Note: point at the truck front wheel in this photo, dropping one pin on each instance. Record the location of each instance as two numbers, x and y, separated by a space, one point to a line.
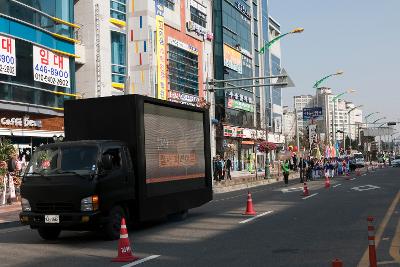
113 225
49 233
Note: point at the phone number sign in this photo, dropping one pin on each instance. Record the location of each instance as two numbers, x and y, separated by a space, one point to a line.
8 61
50 68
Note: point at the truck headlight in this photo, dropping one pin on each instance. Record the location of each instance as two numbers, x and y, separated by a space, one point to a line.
90 203
25 205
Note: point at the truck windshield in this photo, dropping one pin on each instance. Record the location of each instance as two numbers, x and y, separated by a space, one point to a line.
63 160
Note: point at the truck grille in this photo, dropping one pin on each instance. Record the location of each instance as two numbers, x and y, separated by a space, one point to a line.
54 207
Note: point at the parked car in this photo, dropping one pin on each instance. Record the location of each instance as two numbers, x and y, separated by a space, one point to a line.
358 160
396 161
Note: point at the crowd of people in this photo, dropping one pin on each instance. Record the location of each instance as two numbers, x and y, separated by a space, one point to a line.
222 168
312 168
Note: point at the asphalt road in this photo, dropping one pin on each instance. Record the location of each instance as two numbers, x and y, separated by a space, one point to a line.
290 231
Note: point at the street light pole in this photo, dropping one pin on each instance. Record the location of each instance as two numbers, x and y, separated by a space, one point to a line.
348 125
317 83
334 113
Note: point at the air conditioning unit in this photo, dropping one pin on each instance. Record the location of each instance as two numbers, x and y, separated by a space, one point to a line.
190 26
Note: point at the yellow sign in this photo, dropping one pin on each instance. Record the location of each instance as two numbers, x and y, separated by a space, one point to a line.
161 68
232 59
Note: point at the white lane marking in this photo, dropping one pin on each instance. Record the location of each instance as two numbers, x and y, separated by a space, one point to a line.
336 185
352 179
311 195
365 187
257 216
141 261
364 174
13 229
292 189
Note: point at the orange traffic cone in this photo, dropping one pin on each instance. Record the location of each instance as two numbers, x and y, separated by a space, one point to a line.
124 246
249 209
327 182
305 190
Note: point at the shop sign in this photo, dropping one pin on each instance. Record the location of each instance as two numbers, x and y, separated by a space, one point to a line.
239 97
232 131
160 39
182 45
261 135
276 138
178 97
235 104
247 142
278 125
198 6
242 9
50 68
21 122
232 59
8 61
249 133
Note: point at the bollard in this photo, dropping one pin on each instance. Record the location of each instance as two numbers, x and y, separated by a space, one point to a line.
337 263
371 242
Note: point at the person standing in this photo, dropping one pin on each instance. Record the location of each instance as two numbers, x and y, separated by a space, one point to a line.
295 162
228 166
215 169
285 171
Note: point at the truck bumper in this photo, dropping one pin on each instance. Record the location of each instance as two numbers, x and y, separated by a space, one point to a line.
67 221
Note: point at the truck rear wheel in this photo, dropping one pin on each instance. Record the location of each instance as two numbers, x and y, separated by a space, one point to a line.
113 226
49 233
179 216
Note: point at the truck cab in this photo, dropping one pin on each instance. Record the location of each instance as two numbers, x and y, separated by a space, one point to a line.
78 185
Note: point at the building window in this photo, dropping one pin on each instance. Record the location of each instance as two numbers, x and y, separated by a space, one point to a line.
118 52
170 4
118 9
183 70
198 17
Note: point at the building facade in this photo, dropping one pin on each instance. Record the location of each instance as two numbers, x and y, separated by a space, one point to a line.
335 114
289 124
161 48
240 28
37 68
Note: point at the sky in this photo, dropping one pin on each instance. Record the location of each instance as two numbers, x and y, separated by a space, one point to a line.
360 37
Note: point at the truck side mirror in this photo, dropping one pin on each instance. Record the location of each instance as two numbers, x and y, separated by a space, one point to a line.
106 162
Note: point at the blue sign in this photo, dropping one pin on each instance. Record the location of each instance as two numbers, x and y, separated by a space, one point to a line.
312 113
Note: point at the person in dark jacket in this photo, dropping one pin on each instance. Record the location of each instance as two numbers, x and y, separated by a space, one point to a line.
228 166
302 169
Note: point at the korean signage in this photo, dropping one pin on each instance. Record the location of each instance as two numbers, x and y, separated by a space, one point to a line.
278 124
183 46
50 68
8 61
238 132
178 97
239 101
312 133
21 122
312 113
235 104
232 59
160 39
242 9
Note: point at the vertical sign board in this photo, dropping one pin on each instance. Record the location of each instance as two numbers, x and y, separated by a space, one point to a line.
312 133
233 59
50 68
8 61
160 39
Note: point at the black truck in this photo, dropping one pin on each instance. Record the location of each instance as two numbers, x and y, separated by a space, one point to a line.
126 156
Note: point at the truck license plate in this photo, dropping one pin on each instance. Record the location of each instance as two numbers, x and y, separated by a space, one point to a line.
52 218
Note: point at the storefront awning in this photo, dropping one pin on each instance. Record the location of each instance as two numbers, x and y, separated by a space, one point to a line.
29 133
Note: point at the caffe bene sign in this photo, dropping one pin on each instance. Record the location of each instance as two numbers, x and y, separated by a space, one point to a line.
21 122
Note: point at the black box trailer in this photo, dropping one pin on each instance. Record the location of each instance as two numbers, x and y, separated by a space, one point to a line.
131 156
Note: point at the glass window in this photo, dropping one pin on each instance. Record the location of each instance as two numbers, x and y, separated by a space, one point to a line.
116 158
118 9
198 17
170 4
118 53
183 70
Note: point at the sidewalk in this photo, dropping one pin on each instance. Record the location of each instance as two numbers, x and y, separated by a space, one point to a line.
244 179
10 213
